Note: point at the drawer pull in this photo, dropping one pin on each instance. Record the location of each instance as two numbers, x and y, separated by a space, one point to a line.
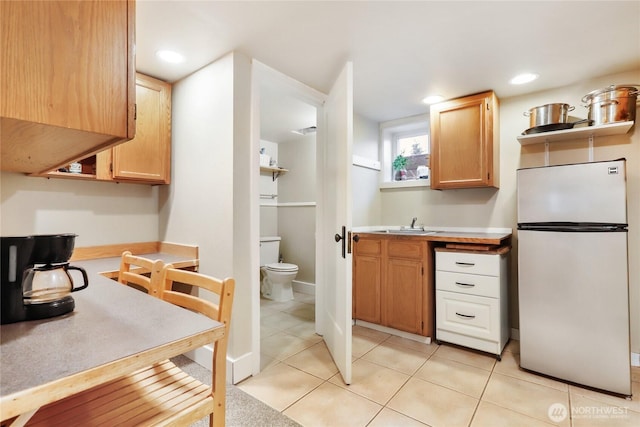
467 285
465 264
466 316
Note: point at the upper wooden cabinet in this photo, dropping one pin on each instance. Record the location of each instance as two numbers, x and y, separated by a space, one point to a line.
147 157
67 81
465 144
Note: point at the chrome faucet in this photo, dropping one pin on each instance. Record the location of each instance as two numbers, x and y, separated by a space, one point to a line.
413 222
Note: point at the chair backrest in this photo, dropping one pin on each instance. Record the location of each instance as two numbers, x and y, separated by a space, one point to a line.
137 276
220 311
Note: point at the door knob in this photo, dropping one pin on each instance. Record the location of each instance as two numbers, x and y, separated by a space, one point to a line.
337 237
356 238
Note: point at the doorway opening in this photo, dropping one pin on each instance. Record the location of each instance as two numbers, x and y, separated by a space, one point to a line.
287 187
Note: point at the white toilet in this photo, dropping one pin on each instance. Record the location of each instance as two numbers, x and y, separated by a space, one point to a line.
276 276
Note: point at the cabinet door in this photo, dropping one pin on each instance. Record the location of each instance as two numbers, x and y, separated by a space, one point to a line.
403 295
366 291
367 280
147 157
67 80
463 143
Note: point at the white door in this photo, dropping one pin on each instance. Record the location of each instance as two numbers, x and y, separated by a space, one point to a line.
333 265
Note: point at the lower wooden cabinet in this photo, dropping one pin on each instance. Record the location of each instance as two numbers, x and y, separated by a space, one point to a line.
392 283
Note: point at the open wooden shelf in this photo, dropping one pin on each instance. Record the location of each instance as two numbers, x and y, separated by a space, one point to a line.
619 128
275 172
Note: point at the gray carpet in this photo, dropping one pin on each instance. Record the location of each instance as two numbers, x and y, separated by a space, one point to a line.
242 409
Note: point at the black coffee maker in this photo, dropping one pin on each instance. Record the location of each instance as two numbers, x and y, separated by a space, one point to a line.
36 283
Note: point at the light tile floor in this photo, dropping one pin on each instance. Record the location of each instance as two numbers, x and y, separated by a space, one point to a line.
399 382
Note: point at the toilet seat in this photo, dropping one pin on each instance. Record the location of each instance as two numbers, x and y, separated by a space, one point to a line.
282 266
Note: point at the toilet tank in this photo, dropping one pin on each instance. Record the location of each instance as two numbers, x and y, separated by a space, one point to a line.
269 250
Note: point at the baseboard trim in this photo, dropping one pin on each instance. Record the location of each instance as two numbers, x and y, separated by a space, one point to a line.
304 287
237 369
402 334
635 357
241 367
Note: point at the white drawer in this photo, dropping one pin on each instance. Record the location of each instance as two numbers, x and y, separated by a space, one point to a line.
472 284
464 262
469 315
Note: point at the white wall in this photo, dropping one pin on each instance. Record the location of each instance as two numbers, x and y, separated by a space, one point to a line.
296 200
100 213
208 202
497 207
366 206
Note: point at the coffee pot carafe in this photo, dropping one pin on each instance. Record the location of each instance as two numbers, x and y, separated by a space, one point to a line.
49 283
46 290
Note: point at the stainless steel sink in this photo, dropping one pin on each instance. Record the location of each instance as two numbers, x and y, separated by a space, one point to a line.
412 232
407 231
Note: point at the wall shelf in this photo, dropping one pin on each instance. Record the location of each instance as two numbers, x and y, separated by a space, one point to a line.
586 132
275 172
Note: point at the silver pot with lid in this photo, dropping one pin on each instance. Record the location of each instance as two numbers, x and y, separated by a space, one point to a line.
548 114
615 103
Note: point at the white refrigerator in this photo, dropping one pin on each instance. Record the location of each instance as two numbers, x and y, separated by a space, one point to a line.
573 279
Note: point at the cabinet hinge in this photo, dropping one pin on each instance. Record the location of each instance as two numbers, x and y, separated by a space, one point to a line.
422 270
422 326
135 111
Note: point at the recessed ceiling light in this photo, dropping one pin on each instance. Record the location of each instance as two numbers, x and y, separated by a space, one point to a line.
523 78
432 99
170 56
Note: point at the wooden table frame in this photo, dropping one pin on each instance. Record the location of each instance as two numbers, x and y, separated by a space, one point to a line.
17 338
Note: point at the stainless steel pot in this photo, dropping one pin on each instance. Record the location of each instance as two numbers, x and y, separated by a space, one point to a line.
548 114
612 104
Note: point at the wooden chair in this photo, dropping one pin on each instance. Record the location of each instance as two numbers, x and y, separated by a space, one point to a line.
162 394
137 277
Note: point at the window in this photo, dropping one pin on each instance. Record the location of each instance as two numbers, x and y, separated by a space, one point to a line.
415 148
409 137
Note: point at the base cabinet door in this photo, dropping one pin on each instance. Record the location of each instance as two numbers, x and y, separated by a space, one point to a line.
403 296
367 289
367 280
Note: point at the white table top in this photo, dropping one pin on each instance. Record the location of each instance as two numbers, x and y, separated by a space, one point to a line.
114 330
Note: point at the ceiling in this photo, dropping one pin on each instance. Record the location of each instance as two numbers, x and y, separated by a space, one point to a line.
401 51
